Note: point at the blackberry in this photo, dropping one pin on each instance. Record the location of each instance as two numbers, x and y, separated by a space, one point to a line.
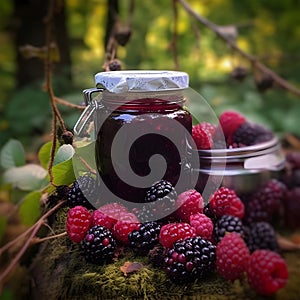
157 255
209 213
265 202
160 190
82 192
160 201
261 235
225 224
145 238
249 134
190 259
98 245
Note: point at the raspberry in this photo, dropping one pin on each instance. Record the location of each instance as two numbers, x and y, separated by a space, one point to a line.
99 218
225 201
230 121
189 203
203 225
127 223
266 272
251 134
265 202
190 259
227 224
261 235
78 223
98 245
107 215
145 238
160 199
173 232
232 256
82 192
203 135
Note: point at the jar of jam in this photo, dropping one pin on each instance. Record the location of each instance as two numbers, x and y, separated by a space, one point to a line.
142 130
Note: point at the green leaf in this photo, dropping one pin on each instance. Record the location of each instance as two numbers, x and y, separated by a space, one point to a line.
87 153
63 173
64 153
45 153
29 177
30 208
12 154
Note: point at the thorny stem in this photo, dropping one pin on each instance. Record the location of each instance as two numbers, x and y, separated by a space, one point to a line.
47 238
49 88
256 64
33 229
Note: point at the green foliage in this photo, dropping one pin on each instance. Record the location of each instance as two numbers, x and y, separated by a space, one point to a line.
27 178
29 210
12 154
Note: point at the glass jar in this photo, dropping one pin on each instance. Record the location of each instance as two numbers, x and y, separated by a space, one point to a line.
244 169
142 130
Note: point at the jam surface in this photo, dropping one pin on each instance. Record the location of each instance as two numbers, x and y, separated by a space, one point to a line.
154 133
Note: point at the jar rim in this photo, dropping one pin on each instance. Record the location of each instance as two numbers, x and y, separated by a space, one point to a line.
141 81
240 152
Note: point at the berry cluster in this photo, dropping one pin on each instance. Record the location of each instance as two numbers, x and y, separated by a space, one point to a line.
193 240
233 131
291 201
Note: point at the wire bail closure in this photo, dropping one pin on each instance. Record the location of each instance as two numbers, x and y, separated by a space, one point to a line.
91 105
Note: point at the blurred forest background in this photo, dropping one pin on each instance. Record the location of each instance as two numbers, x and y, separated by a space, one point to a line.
269 30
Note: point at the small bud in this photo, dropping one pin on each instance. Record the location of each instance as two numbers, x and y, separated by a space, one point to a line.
67 137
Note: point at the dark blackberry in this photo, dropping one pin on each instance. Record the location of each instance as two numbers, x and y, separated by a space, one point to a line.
145 238
157 255
249 134
291 212
160 202
266 202
59 194
261 235
82 192
209 213
160 190
190 259
225 224
98 246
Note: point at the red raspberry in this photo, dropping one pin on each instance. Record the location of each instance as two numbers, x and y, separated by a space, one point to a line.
78 222
232 256
203 225
99 218
125 225
113 210
225 201
266 272
230 121
203 135
173 232
189 202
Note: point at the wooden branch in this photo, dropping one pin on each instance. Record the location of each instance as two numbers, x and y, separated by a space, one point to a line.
256 64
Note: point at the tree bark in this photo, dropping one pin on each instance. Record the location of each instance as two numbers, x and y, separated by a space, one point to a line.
29 18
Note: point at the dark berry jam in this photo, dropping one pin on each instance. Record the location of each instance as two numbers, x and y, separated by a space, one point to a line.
153 123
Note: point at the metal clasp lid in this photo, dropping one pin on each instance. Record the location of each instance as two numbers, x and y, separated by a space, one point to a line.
87 114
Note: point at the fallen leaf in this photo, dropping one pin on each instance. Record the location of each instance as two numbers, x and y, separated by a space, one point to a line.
130 267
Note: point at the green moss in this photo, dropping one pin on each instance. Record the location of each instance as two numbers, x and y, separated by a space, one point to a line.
60 272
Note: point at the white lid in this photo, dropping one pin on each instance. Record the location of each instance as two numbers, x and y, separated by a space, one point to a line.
138 81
